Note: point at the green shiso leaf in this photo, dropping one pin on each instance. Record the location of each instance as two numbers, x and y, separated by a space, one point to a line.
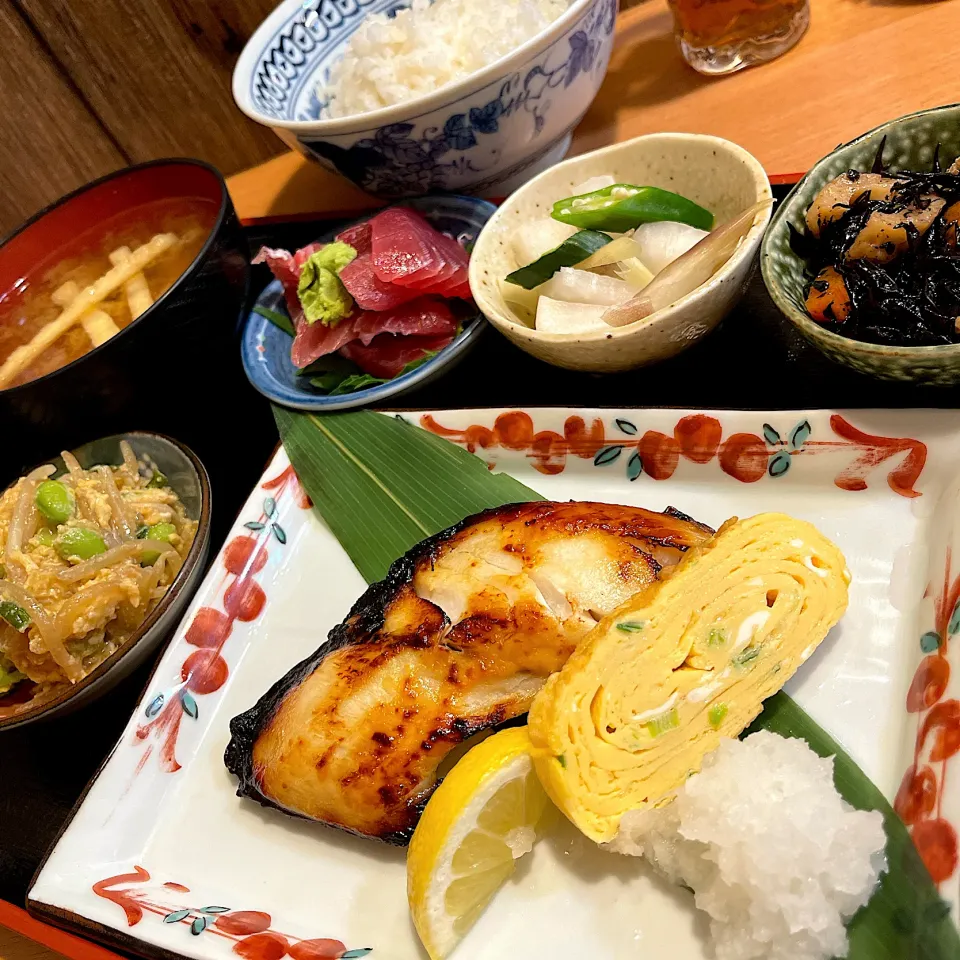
382 485
906 919
335 375
279 320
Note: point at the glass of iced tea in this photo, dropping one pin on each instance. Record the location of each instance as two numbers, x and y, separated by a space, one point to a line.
721 36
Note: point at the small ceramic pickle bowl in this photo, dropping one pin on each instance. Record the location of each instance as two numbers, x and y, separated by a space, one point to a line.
713 172
910 144
188 478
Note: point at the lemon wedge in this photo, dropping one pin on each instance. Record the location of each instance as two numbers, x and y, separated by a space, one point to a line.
488 812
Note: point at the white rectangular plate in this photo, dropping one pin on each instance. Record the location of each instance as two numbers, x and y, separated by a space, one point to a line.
161 858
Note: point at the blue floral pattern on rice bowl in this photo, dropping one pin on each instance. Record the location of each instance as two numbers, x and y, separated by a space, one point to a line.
473 141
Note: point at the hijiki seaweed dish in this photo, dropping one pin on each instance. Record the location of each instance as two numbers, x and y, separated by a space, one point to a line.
881 251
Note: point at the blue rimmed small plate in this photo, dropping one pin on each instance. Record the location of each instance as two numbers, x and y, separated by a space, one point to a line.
265 348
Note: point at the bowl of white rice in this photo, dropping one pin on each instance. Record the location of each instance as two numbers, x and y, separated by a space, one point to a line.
409 97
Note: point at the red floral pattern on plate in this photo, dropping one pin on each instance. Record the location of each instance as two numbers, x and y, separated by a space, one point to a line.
919 800
204 670
696 437
250 930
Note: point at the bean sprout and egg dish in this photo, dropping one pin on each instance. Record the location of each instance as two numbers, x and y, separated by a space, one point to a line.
84 559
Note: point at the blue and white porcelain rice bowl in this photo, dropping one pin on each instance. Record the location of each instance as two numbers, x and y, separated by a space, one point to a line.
483 134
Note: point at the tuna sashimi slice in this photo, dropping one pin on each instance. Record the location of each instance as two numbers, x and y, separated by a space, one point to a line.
315 340
388 354
286 267
423 317
408 251
455 260
370 292
358 236
402 244
438 282
463 292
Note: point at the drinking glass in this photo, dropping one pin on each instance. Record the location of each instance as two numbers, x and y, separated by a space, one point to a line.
721 36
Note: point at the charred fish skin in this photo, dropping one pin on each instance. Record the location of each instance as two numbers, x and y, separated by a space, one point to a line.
366 616
354 734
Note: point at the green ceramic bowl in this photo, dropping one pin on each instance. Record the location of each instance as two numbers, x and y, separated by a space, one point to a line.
911 141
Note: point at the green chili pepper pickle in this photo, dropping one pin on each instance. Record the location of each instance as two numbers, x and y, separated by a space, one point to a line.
624 207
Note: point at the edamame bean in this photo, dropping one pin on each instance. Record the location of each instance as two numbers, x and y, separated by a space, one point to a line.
44 537
157 480
159 531
55 501
79 543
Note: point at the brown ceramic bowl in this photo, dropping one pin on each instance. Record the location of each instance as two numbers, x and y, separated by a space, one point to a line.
189 480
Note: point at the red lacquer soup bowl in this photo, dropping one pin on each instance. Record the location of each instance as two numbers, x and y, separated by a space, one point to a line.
167 363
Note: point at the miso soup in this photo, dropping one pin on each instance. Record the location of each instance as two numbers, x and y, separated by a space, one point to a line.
91 289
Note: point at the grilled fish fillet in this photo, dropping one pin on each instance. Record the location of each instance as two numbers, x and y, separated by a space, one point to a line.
458 638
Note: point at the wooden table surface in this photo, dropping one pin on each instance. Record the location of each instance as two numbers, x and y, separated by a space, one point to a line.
23 938
13 946
862 62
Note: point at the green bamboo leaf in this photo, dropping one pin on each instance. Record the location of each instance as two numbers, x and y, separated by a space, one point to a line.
906 919
383 485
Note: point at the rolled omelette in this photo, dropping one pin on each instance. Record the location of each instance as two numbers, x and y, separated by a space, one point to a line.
690 659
